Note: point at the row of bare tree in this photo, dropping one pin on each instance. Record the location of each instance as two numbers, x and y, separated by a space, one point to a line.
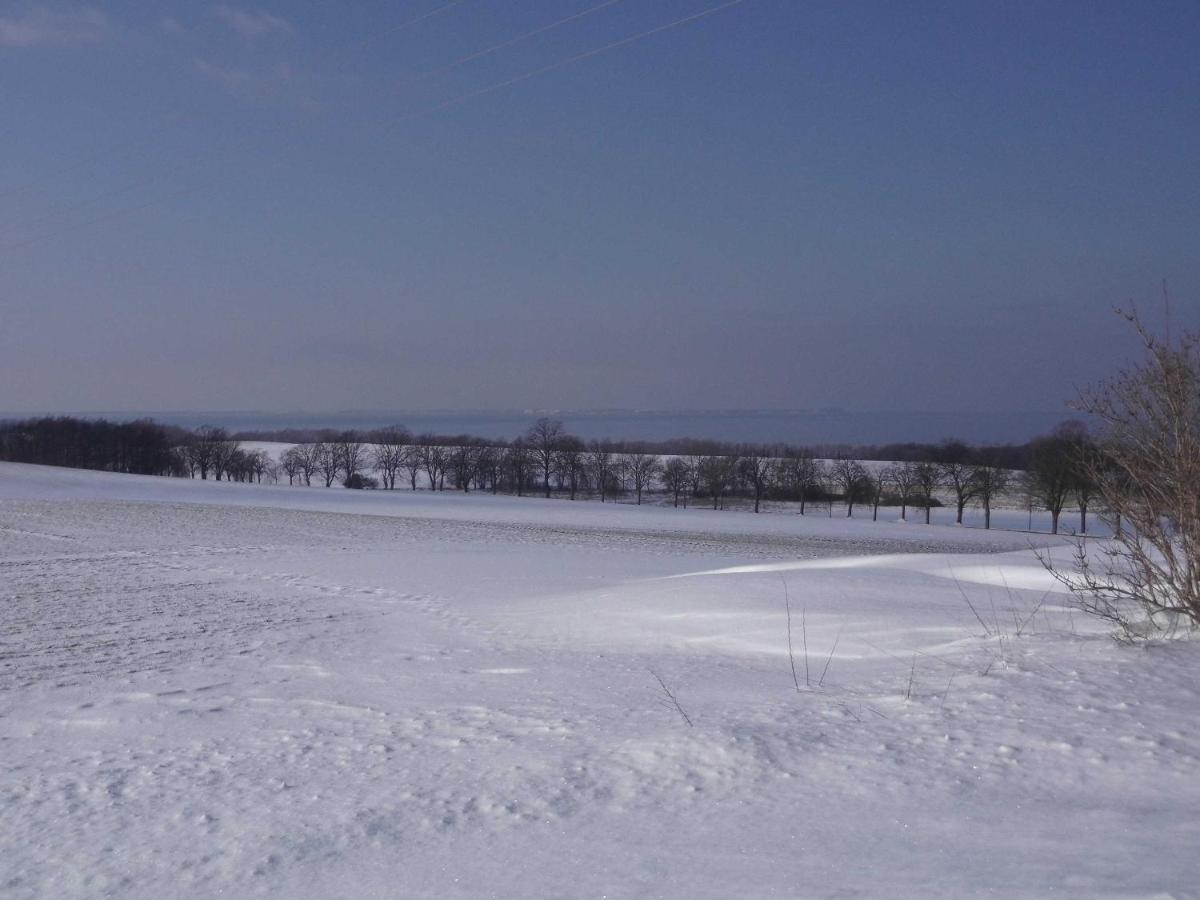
550 461
210 450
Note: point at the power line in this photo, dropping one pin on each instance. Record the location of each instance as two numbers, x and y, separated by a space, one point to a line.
454 101
503 45
579 57
388 32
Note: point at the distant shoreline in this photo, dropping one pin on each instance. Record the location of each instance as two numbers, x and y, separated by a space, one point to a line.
748 426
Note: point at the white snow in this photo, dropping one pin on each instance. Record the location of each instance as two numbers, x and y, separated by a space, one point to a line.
265 691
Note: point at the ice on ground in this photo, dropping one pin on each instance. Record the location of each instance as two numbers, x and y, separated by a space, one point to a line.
254 691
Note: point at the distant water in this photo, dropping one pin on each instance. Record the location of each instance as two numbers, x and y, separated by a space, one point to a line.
751 426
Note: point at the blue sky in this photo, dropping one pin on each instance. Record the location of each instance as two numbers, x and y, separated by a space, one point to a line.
781 204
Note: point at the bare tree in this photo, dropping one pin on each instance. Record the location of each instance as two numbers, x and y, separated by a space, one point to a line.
878 481
351 454
961 478
958 474
1147 578
516 466
718 474
229 463
825 487
1090 465
991 480
193 456
412 462
1111 480
677 477
260 463
799 476
927 478
434 460
327 461
463 463
543 440
851 478
491 464
290 463
642 469
225 457
569 461
788 473
758 471
1053 469
187 465
208 448
904 477
600 464
695 463
387 453
203 449
308 456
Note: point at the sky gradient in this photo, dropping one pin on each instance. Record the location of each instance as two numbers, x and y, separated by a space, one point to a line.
779 205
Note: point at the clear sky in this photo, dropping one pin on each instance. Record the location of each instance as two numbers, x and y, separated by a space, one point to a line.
783 204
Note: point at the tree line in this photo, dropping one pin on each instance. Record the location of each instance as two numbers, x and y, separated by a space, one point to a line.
1059 470
141 447
1056 470
1010 456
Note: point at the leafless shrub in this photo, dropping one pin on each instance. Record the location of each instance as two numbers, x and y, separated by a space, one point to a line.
987 629
669 698
787 606
946 693
912 672
837 639
1146 579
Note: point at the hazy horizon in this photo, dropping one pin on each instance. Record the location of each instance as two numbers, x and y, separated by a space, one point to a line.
828 426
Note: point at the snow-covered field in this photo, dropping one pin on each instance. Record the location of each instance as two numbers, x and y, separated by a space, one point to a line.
230 689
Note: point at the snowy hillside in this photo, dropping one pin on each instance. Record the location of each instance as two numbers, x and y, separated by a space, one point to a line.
266 691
